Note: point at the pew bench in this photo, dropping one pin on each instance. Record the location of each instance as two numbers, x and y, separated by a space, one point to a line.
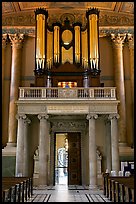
119 189
16 189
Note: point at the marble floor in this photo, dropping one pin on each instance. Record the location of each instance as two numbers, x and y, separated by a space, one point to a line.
65 193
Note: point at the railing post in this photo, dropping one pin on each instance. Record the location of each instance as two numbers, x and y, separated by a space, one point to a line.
91 93
21 92
44 93
113 93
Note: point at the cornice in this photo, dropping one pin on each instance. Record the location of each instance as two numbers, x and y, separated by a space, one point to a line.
105 19
103 30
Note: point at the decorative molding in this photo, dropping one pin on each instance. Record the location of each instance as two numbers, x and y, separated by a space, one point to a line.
103 31
105 19
68 125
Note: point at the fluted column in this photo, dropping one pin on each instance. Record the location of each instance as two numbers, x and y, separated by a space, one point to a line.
92 151
108 145
27 121
130 39
16 41
43 149
20 145
119 83
4 44
114 142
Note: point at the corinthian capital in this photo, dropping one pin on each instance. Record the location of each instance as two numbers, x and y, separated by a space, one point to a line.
130 38
16 40
118 39
4 40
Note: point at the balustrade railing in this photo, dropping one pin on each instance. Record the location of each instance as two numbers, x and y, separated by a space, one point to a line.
100 93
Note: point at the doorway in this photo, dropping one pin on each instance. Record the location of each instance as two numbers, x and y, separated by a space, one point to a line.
68 158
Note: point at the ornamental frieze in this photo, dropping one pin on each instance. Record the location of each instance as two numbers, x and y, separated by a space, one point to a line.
103 31
68 125
105 19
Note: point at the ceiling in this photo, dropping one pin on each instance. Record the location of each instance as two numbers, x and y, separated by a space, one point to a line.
20 7
111 13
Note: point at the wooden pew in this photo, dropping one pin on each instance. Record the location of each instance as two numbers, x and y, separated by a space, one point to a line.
16 189
119 189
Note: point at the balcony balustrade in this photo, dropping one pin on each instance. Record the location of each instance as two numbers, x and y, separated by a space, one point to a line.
91 93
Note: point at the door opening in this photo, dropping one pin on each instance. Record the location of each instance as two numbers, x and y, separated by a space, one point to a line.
61 159
68 158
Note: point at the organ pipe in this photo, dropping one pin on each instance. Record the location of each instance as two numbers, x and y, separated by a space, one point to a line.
93 38
41 34
77 43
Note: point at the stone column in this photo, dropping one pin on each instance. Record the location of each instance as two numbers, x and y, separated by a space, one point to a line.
20 145
52 159
108 145
119 83
16 40
114 142
4 44
26 148
92 152
130 39
43 149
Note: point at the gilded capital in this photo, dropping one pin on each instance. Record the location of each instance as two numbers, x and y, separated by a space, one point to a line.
43 116
4 40
113 116
130 38
92 116
118 39
16 40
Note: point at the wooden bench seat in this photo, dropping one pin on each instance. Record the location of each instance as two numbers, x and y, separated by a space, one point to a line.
119 189
16 189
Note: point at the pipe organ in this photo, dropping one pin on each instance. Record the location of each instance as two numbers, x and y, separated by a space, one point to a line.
67 45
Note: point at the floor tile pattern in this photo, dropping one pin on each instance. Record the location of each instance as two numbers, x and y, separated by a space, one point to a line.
64 193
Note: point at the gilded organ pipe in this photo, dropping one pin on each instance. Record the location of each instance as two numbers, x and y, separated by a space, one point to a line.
93 38
56 44
41 32
77 44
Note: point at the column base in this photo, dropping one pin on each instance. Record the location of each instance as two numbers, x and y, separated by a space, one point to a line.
122 144
93 187
11 144
9 151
